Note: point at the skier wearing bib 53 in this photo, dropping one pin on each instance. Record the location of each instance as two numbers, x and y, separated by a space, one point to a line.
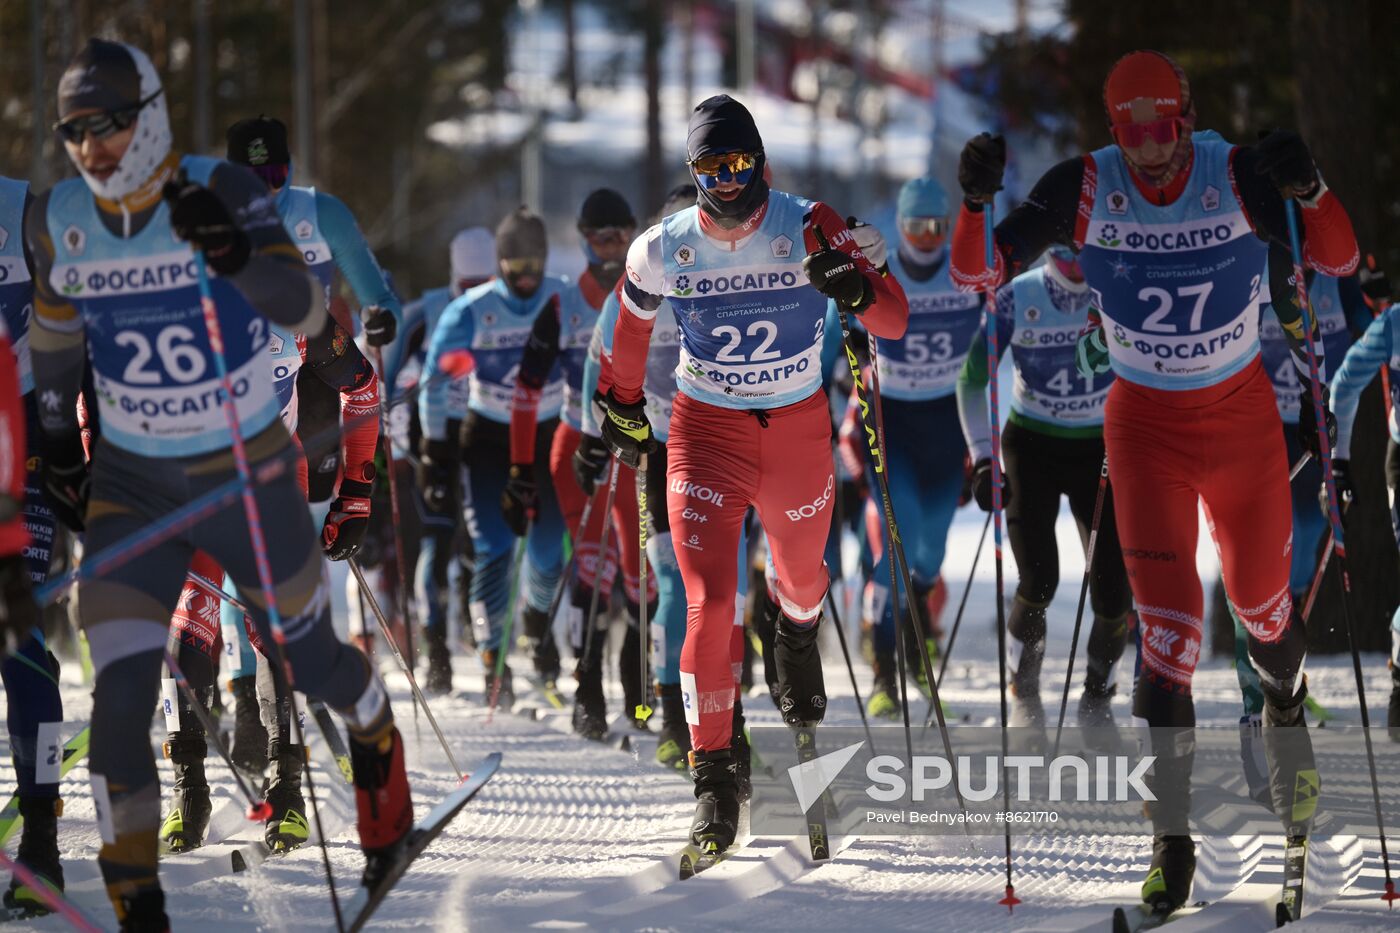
750 423
1172 235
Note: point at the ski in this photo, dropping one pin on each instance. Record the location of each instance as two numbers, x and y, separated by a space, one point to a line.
1295 863
1142 917
334 740
74 751
816 814
694 860
365 902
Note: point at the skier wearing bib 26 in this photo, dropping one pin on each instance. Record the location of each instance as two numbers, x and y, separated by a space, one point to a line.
115 279
750 424
1054 447
558 344
483 333
1171 234
918 377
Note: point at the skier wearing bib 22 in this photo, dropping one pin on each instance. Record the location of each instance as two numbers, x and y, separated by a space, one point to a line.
1171 235
750 424
115 278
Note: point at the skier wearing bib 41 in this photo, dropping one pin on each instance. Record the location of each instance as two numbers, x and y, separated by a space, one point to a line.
1172 236
115 280
750 423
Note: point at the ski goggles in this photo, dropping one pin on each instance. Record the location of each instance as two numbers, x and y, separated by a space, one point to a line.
532 265
602 236
710 169
1132 135
925 226
101 124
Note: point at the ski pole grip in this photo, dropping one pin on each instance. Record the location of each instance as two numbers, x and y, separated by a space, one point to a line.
821 237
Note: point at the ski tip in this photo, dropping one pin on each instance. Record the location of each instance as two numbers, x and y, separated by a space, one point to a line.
1120 921
238 863
1281 915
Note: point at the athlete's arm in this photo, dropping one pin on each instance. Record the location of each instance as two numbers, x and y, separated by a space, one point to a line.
887 314
452 336
1283 293
1358 368
410 337
335 359
536 360
1049 215
641 297
276 281
1354 308
973 410
57 337
353 257
1328 241
599 358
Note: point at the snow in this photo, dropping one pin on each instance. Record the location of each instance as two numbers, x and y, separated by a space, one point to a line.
572 835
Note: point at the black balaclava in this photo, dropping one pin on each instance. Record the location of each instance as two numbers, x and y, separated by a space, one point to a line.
722 124
261 144
604 208
521 236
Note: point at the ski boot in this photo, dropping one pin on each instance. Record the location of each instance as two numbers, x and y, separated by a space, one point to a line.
1106 641
143 912
38 851
671 751
765 621
717 801
1168 883
439 679
590 709
383 804
188 819
249 746
1095 716
629 671
1392 717
544 652
286 829
884 697
504 696
742 754
801 687
1025 649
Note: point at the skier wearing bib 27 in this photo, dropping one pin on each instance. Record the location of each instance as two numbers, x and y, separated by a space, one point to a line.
1054 448
918 377
750 424
1171 234
559 344
27 526
483 333
108 249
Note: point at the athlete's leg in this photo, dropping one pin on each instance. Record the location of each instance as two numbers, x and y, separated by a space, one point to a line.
486 455
1109 595
1309 523
1031 510
545 555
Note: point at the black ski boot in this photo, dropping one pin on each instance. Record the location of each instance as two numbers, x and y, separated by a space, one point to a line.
544 651
629 671
674 746
439 679
249 747
1168 883
801 687
38 851
143 912
287 828
188 819
505 698
590 708
717 801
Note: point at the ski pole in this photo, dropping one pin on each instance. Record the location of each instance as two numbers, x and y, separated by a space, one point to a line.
567 576
394 647
891 525
993 359
962 605
603 541
1297 468
400 557
1334 516
1317 576
850 668
1083 594
255 533
52 899
643 710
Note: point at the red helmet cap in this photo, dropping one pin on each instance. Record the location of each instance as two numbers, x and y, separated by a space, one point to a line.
1144 86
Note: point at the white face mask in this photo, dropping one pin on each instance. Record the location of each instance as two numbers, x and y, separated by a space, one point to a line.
150 141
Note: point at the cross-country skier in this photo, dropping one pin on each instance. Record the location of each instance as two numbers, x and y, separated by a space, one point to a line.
1171 234
483 332
918 377
115 282
559 343
1377 349
472 259
749 425
27 527
1053 446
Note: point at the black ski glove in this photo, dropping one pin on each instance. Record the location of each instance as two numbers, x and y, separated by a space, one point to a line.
18 611
199 217
437 467
67 480
589 462
1284 157
1307 422
380 325
1341 475
627 430
343 531
982 485
980 168
520 499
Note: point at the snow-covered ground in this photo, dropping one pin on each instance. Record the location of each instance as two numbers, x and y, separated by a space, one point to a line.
573 835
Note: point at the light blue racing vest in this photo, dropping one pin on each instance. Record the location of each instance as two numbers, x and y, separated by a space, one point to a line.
501 327
1045 331
1326 302
925 362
